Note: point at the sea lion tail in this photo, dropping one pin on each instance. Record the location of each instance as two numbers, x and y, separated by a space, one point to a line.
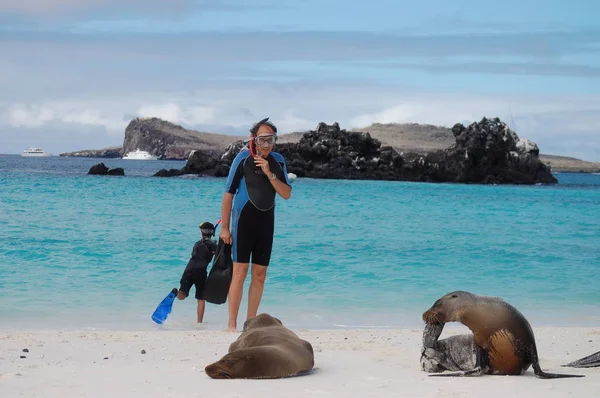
539 373
591 361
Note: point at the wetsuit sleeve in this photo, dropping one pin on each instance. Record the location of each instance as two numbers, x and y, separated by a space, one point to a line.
282 172
235 173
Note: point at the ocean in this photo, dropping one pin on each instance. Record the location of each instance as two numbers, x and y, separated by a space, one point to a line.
100 252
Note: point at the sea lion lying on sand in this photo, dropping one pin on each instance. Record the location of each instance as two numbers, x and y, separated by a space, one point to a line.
591 361
452 353
504 340
265 350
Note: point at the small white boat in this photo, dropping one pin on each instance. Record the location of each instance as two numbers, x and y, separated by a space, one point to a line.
35 153
292 177
139 155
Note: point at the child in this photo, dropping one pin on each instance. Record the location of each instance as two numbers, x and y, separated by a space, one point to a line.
195 271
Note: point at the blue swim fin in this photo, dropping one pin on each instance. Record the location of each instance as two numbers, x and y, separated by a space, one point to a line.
164 308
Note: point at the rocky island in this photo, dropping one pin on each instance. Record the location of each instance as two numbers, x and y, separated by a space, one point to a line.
487 152
169 141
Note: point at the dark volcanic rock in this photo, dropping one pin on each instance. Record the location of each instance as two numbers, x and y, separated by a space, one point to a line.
200 161
116 172
489 152
98 169
101 169
485 152
168 173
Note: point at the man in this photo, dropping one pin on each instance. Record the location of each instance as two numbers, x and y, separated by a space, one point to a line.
255 178
195 272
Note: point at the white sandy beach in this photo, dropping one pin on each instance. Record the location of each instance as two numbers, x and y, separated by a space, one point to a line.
353 363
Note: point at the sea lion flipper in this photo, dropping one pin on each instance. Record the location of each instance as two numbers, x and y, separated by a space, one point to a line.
539 373
463 373
591 361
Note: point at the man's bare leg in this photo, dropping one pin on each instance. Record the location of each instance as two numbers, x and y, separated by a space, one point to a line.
257 285
201 306
234 297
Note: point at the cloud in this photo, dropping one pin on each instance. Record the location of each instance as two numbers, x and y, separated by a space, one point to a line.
51 65
559 125
192 116
37 115
46 8
504 68
315 45
79 90
117 9
39 6
448 109
566 125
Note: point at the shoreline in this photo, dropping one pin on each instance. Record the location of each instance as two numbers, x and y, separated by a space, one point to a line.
348 363
183 319
558 163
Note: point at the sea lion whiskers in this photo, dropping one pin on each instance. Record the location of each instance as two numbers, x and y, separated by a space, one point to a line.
224 374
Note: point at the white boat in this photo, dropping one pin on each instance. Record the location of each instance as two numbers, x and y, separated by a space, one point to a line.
139 155
292 177
35 152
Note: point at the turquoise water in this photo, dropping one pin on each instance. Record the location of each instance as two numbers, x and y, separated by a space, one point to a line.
79 251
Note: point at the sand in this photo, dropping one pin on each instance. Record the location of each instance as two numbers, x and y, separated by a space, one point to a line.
349 363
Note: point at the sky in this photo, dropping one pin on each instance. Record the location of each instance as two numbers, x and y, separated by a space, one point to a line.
73 73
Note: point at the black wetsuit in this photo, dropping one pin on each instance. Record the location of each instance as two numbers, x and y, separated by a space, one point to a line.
195 271
253 208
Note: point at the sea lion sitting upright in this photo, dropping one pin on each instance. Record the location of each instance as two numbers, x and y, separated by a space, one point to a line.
265 350
504 340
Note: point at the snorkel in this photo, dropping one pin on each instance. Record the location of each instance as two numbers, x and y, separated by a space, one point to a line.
251 145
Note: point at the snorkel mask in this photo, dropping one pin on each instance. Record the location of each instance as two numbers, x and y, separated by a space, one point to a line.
254 139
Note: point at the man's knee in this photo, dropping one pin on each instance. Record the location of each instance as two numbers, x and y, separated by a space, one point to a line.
240 270
259 273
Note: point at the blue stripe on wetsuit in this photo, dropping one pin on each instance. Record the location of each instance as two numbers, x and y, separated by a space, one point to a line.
237 184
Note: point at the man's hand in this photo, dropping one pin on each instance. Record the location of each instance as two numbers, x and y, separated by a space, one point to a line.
263 164
226 236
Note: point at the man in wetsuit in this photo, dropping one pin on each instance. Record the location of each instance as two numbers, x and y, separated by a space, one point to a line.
249 204
195 271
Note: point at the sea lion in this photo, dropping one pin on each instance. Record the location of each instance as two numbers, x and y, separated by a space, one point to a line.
264 350
504 340
591 361
452 353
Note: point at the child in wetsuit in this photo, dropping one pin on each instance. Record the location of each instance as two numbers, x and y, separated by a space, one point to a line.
195 272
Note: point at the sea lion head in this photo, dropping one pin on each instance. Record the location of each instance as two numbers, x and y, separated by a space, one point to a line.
237 364
449 308
261 320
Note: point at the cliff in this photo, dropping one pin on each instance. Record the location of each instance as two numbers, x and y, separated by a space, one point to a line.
169 141
164 139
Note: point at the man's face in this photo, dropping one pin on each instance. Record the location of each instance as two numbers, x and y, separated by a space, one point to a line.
265 139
